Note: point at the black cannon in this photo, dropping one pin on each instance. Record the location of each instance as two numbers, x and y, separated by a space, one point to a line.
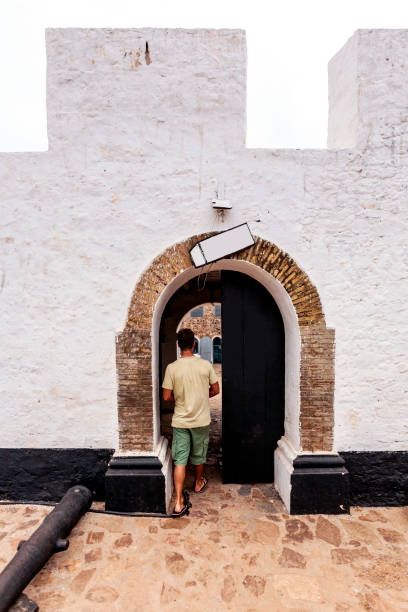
48 539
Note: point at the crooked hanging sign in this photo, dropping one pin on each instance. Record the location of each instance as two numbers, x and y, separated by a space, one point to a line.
221 245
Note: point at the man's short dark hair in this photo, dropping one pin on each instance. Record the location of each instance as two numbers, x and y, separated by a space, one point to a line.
185 339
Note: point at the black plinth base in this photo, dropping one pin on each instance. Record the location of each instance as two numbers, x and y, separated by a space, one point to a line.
320 485
135 484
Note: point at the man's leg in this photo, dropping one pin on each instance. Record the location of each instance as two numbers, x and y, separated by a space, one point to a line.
179 477
198 456
180 450
199 480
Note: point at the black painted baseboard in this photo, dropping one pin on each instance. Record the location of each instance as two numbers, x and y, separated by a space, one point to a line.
45 474
377 478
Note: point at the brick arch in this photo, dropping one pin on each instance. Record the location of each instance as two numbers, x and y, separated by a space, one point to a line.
134 345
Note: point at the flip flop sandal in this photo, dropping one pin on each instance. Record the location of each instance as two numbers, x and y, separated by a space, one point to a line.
204 485
183 511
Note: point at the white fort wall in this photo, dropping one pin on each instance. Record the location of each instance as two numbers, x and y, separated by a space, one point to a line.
138 145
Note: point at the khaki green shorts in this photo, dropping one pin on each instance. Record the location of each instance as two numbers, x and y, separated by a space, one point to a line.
190 445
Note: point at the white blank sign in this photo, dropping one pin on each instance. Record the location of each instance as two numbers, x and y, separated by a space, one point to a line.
222 244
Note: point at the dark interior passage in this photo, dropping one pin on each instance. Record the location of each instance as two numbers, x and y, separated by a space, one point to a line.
191 294
205 298
248 415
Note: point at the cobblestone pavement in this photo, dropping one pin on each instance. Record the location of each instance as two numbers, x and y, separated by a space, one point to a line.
238 550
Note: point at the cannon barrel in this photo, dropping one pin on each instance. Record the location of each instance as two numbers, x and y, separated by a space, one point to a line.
49 538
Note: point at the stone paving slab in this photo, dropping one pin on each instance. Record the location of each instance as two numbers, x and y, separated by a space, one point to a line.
238 550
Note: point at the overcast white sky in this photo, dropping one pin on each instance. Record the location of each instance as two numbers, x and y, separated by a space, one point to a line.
289 45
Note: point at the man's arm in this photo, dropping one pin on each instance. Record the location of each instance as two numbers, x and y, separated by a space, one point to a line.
167 386
168 399
168 395
214 385
214 389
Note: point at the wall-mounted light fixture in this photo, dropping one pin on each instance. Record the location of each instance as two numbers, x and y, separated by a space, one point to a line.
221 204
222 244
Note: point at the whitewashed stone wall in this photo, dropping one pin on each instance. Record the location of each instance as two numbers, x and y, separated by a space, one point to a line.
138 143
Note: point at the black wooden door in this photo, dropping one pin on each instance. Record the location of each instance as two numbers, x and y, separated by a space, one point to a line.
253 373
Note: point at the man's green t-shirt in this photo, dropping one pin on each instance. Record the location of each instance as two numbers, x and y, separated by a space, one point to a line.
189 378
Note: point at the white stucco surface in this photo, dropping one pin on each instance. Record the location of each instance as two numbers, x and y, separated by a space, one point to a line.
138 147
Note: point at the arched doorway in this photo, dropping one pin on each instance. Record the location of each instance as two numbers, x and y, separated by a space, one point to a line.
196 346
309 377
206 348
253 372
217 349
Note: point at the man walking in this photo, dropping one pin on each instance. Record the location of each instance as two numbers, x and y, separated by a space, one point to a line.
190 381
